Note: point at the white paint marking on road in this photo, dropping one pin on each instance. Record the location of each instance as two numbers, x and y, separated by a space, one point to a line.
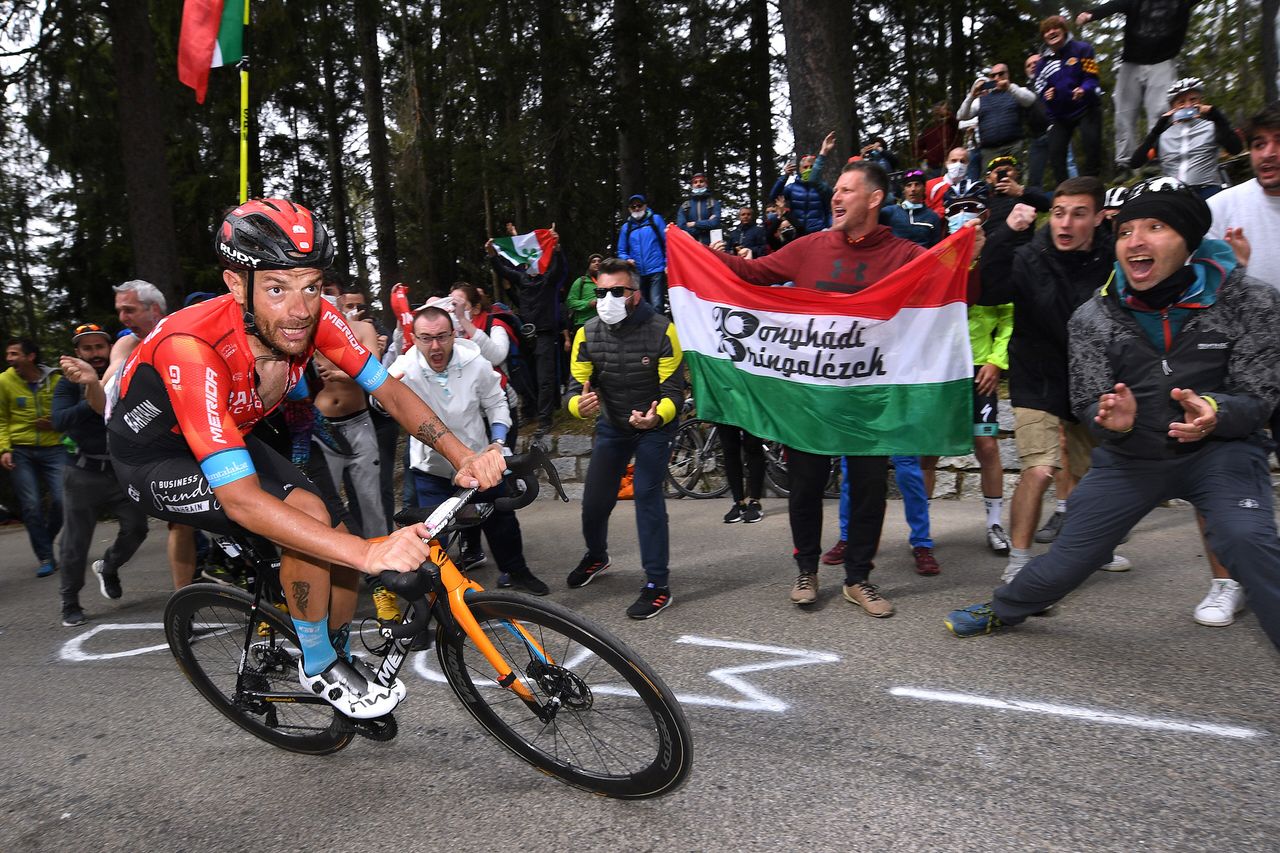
72 650
757 699
1090 714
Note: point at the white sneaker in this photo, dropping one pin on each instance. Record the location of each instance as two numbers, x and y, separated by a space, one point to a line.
1117 564
347 687
998 540
1220 606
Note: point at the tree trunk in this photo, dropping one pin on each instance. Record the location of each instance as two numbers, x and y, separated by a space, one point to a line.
958 72
554 117
333 148
139 101
1270 61
819 56
626 57
384 219
760 110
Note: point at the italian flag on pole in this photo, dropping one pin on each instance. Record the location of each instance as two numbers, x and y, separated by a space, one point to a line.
212 36
534 248
882 372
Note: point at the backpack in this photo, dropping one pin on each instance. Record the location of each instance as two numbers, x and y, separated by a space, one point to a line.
519 374
632 226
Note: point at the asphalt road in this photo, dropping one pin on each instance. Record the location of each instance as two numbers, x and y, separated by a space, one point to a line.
1116 724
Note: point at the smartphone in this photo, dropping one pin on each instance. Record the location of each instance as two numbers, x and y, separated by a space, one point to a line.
717 235
1186 113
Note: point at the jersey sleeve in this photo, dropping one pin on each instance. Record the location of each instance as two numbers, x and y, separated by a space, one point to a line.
336 342
198 383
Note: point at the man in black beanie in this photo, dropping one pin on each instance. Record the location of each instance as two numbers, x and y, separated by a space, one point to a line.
1175 367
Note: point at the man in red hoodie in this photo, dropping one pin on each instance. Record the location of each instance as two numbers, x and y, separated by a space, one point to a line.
855 253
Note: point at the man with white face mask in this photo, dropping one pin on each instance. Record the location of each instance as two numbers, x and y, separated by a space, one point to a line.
626 374
935 192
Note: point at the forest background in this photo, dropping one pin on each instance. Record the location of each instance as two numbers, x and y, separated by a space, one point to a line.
415 129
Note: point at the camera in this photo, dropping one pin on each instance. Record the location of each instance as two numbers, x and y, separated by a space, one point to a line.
1186 113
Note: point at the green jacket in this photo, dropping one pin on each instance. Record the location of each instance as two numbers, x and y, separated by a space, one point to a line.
20 407
990 327
579 301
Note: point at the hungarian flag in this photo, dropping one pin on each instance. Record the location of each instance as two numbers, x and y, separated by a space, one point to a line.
212 36
534 248
885 371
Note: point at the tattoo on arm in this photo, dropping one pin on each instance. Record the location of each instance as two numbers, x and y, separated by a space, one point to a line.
301 594
429 432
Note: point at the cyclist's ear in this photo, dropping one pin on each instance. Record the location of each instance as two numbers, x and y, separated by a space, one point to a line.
235 283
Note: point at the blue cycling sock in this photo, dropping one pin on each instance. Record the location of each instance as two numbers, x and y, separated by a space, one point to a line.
340 638
317 651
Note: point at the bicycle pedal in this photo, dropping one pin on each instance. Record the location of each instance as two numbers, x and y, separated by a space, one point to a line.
380 729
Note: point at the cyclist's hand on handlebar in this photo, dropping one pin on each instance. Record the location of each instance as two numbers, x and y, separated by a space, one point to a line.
482 470
402 551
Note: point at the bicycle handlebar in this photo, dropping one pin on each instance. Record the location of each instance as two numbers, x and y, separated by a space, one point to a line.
522 489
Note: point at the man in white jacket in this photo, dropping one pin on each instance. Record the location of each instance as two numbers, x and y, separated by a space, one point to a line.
461 386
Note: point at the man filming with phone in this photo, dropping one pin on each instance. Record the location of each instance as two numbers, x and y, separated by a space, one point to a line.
997 102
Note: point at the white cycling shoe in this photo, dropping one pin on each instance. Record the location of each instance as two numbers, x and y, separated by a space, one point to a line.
351 688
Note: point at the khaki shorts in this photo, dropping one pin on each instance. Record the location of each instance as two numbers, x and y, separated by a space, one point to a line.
1036 435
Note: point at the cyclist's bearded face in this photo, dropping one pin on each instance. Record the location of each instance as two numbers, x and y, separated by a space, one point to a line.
286 306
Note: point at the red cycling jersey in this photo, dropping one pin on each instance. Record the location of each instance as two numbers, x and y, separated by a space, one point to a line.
192 384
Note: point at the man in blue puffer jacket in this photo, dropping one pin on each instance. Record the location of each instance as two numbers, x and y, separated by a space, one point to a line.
808 198
643 241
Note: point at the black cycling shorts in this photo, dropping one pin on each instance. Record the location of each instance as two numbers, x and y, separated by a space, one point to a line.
986 413
173 488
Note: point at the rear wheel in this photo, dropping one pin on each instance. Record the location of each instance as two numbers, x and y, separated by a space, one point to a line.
612 726
775 471
696 468
206 627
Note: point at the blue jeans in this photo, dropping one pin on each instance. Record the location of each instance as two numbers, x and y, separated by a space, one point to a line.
30 466
915 503
654 288
612 450
501 528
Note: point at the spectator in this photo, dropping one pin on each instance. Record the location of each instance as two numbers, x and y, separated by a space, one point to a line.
957 167
1046 279
910 219
538 296
997 102
1037 122
30 448
626 374
1067 82
1003 174
461 386
808 198
1187 138
877 151
1195 436
741 446
938 139
89 484
699 214
643 241
1154 31
747 235
854 254
581 301
778 227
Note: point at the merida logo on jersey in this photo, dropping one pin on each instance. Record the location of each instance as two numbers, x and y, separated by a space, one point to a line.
211 407
338 323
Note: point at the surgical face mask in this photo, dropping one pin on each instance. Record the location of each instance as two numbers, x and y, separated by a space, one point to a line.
699 190
912 205
612 309
637 214
955 171
956 221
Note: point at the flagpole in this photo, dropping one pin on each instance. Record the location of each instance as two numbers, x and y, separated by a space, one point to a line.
244 114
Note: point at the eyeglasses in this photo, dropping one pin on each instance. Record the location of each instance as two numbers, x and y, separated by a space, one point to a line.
433 339
619 291
88 327
638 206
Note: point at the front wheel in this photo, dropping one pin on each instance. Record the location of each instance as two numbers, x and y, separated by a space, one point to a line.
696 467
611 726
236 656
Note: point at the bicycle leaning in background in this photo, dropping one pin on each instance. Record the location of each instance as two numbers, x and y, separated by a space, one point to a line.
556 689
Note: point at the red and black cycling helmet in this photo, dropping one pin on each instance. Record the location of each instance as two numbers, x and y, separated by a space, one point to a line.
272 234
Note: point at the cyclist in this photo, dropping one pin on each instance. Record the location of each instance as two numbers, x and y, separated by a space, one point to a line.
190 393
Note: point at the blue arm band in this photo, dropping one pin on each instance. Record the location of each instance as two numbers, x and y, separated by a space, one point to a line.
498 431
372 375
227 466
